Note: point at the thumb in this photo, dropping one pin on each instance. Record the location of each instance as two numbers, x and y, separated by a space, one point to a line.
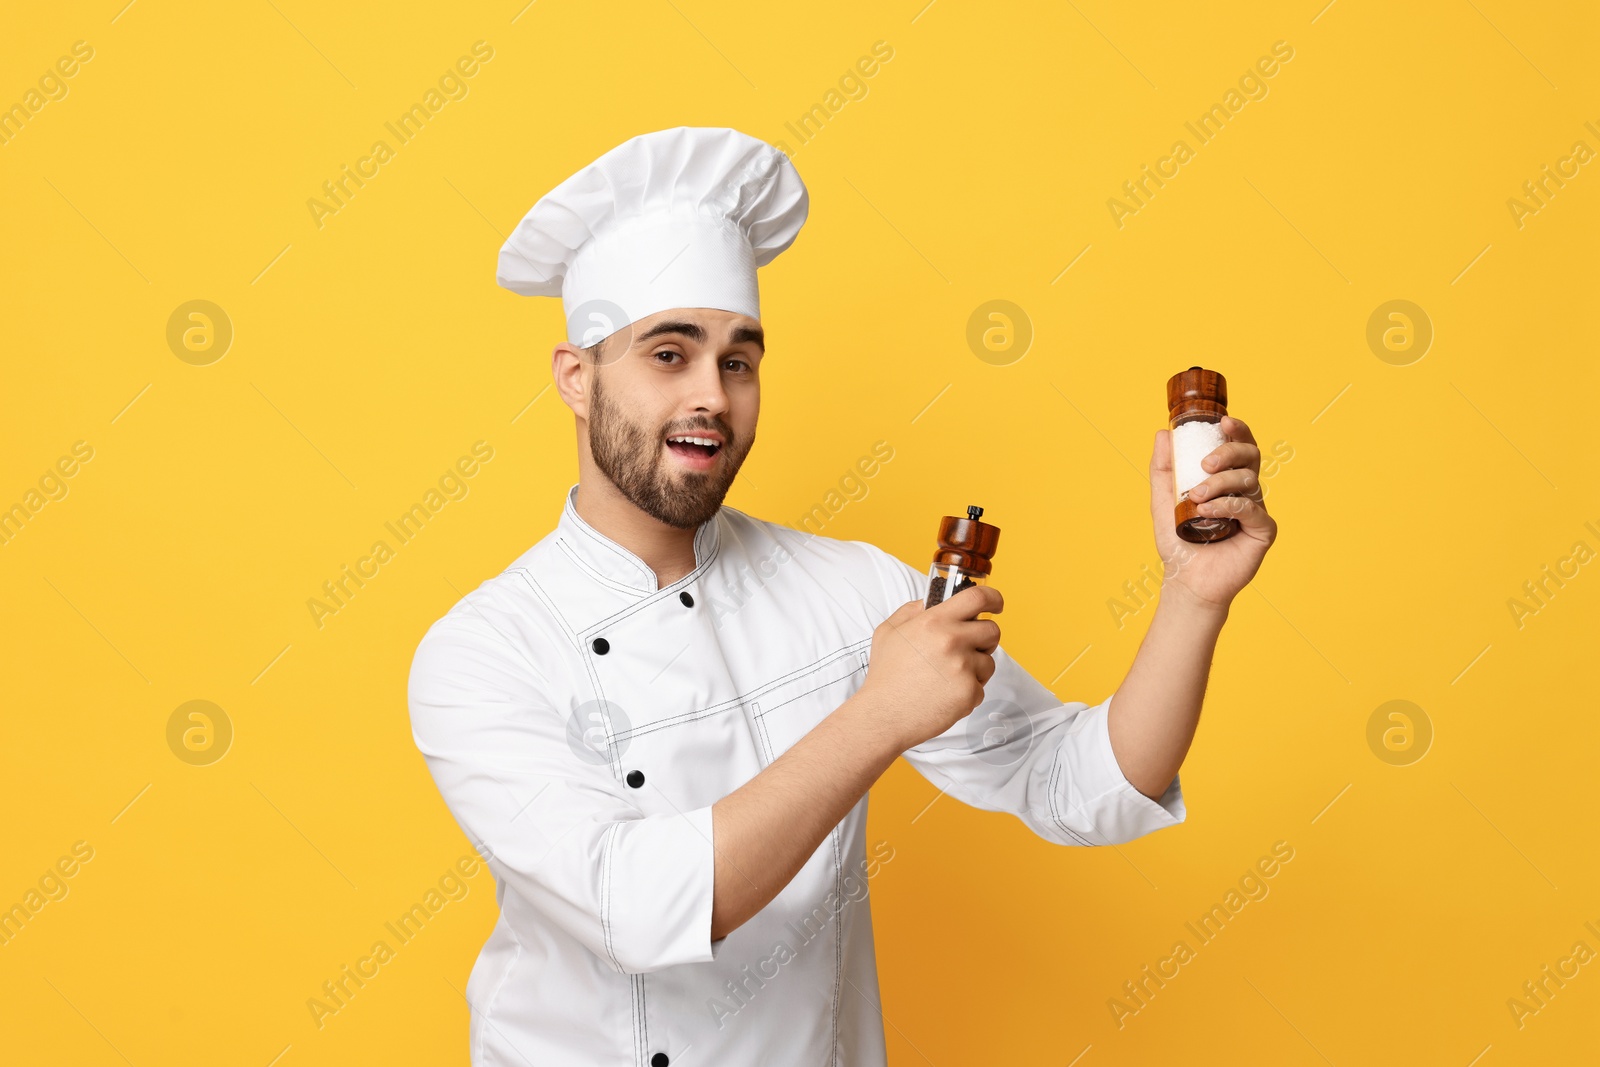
907 610
902 614
1163 497
1161 472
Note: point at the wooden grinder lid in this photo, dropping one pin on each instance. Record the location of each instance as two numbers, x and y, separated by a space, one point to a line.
967 543
1197 389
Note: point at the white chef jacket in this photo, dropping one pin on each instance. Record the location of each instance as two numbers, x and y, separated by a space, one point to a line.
580 723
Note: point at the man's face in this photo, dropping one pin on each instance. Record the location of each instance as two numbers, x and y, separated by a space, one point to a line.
687 371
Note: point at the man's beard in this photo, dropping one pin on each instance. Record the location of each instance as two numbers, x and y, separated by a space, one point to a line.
635 460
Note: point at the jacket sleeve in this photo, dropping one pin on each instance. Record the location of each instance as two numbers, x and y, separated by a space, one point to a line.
547 810
1025 752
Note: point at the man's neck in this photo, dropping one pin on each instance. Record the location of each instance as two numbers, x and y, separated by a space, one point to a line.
666 550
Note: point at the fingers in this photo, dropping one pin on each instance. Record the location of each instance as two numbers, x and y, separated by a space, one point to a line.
1243 482
1252 514
973 600
982 634
1236 430
1232 454
1236 451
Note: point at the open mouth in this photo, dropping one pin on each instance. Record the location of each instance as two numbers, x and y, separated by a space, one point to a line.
695 450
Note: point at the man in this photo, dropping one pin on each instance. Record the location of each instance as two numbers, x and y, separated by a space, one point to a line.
661 722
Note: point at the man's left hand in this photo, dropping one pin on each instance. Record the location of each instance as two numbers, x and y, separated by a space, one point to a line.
1212 574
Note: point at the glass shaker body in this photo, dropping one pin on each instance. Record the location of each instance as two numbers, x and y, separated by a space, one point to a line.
963 556
1197 399
945 580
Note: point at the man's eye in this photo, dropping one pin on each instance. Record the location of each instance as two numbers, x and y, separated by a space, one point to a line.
740 362
666 352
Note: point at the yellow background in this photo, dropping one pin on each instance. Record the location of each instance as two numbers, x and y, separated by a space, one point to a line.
370 353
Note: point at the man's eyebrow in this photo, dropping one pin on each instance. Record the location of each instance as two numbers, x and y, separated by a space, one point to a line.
695 332
691 330
751 333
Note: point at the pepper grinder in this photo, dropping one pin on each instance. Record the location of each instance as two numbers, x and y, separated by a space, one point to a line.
963 557
1197 399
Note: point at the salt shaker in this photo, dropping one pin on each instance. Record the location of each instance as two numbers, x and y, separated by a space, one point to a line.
1197 399
963 557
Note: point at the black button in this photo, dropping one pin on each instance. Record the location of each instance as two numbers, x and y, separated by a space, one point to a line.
688 601
636 779
601 646
659 1060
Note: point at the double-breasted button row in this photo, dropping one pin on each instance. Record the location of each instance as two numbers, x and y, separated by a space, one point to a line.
635 779
601 646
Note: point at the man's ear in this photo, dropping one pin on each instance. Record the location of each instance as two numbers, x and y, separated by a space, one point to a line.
571 369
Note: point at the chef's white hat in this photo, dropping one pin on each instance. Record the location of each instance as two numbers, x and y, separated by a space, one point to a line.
675 218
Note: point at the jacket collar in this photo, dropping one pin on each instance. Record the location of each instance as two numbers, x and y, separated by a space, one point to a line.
609 561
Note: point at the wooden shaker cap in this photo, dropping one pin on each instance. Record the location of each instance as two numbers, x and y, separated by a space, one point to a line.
967 543
1197 388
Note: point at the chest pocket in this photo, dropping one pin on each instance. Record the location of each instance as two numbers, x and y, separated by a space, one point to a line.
787 709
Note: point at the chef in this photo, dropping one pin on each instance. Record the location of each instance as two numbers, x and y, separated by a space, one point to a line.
660 722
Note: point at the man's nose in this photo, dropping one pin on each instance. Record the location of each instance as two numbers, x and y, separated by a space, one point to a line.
706 390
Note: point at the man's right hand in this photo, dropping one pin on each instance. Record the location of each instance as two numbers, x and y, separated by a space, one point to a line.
929 665
927 673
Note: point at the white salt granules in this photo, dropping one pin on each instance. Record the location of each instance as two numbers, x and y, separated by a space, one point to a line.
1192 442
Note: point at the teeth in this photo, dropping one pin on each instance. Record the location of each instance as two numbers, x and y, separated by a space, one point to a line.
694 440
